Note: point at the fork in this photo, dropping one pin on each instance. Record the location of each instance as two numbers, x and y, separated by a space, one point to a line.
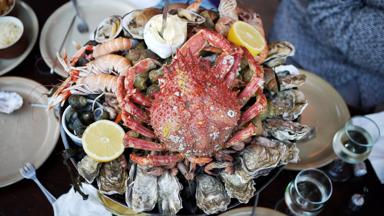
82 26
29 172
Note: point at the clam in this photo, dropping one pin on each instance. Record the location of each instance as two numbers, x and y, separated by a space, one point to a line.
169 200
108 29
142 192
284 130
112 178
190 16
278 53
10 102
211 196
133 22
88 168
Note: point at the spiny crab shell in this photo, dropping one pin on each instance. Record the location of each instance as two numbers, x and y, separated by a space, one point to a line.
195 112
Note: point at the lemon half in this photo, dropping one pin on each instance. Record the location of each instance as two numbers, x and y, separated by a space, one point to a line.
243 34
103 140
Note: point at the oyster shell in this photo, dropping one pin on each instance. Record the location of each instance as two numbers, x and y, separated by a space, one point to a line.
169 194
112 178
258 159
286 130
211 196
10 102
288 104
142 192
278 53
107 29
134 21
236 188
191 16
88 168
289 77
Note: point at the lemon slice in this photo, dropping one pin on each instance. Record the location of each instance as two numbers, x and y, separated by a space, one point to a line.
243 34
103 140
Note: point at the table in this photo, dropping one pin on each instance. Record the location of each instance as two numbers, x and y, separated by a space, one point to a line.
25 198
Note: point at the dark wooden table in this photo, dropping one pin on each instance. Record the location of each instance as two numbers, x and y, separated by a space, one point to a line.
25 198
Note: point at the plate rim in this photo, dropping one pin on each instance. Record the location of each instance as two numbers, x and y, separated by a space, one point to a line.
27 51
43 35
329 159
249 209
52 118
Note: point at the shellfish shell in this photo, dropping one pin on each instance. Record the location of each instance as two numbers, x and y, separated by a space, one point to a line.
211 196
134 22
169 194
88 168
112 178
107 29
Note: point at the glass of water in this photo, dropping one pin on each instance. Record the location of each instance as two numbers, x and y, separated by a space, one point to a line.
307 194
352 144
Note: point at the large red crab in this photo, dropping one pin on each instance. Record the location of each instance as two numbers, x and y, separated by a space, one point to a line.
196 114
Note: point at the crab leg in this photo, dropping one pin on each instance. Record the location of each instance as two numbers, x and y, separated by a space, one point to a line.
156 160
256 82
242 135
199 160
135 125
228 166
255 109
132 109
141 99
136 143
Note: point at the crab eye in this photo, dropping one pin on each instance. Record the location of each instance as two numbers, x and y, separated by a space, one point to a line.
231 113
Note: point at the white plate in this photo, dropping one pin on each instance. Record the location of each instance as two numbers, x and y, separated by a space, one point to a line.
28 134
327 112
246 211
54 29
31 29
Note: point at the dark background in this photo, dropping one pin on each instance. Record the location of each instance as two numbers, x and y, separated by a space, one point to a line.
25 198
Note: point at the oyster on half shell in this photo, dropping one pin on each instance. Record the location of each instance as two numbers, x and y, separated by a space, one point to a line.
211 196
284 130
142 192
169 200
112 178
237 188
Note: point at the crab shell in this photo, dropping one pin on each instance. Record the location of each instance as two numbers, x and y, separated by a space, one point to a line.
195 112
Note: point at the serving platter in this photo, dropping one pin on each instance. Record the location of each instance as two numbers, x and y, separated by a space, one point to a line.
327 112
27 135
58 23
25 13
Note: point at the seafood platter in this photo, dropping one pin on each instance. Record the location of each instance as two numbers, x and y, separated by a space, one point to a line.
186 117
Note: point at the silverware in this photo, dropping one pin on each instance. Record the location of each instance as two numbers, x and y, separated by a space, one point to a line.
82 26
29 172
62 44
165 15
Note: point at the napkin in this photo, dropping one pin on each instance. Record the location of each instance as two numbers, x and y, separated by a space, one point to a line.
72 203
377 155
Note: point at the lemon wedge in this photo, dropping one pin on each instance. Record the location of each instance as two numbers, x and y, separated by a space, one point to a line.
245 35
103 140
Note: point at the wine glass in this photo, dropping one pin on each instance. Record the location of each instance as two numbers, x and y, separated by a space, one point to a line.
352 144
307 194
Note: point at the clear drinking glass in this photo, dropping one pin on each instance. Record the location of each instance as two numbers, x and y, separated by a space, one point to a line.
352 144
307 194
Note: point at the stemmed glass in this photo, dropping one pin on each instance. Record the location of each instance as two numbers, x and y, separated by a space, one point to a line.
352 144
307 194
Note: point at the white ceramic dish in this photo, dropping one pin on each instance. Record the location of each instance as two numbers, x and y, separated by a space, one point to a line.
27 135
28 17
57 24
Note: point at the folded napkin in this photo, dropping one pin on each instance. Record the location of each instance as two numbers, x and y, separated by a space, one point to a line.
72 203
377 155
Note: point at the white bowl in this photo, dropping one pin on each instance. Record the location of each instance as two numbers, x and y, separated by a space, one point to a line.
19 43
74 138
